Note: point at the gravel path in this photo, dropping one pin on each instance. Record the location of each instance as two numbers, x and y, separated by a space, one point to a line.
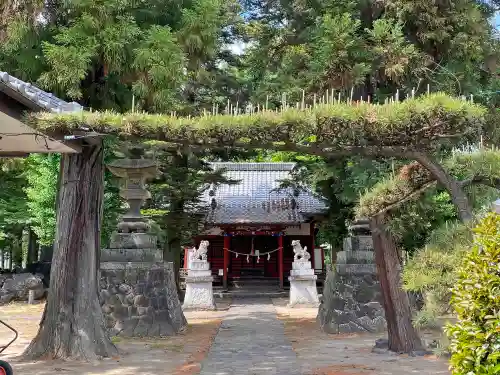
251 341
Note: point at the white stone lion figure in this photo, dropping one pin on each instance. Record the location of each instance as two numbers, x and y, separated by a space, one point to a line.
300 252
201 252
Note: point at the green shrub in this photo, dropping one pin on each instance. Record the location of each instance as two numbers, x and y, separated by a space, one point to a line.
475 339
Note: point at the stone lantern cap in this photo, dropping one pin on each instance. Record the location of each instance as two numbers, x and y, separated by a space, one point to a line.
360 226
133 168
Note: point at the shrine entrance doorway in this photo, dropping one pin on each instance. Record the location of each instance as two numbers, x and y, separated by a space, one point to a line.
254 256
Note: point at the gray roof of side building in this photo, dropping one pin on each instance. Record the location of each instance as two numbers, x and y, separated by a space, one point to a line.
33 97
255 198
496 206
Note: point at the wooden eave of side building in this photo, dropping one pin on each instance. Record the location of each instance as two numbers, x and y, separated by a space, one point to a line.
18 139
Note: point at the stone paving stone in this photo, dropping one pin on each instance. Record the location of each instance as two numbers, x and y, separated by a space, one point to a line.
251 341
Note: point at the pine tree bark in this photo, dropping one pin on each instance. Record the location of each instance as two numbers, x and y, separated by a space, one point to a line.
403 338
72 325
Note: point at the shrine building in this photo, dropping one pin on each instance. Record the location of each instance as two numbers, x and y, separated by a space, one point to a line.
250 225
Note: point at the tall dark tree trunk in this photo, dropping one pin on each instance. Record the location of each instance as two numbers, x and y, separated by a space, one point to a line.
72 325
402 335
18 249
172 251
32 247
46 253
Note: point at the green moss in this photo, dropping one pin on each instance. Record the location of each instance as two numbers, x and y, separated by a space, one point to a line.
412 122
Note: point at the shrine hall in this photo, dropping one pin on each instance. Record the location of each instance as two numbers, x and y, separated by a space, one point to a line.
251 224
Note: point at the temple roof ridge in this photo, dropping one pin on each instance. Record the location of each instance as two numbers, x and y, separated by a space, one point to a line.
254 166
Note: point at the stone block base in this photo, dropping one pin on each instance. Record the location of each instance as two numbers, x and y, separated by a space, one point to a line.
303 291
140 299
199 294
351 303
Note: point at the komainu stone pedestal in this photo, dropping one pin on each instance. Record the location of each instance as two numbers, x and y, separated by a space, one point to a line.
303 289
352 300
140 299
199 292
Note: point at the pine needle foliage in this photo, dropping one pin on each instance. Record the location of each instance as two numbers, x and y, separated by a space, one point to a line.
424 122
426 225
462 165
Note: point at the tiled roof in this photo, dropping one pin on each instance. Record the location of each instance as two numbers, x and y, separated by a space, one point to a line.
253 199
35 96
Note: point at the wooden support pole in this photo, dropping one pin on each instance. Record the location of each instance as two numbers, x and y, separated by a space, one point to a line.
280 259
227 244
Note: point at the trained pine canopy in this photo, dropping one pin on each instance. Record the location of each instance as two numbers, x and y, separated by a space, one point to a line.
421 122
480 167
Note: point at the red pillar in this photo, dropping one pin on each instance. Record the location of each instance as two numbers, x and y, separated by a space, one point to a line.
280 259
312 245
227 244
186 257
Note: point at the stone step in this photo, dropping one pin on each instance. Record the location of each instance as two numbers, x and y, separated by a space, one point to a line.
254 283
246 293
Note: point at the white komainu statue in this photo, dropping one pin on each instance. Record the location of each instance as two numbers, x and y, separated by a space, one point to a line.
300 252
201 252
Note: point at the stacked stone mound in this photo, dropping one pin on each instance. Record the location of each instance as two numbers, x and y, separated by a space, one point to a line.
16 287
140 300
352 300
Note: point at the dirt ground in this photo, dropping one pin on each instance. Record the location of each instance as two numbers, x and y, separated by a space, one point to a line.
324 354
178 355
318 353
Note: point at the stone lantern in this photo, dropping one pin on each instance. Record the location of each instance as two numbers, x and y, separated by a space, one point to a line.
354 303
132 237
138 293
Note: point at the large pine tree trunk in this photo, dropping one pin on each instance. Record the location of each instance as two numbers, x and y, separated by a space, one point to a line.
402 335
72 325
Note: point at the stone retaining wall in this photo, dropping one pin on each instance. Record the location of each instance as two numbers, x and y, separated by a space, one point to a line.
140 299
